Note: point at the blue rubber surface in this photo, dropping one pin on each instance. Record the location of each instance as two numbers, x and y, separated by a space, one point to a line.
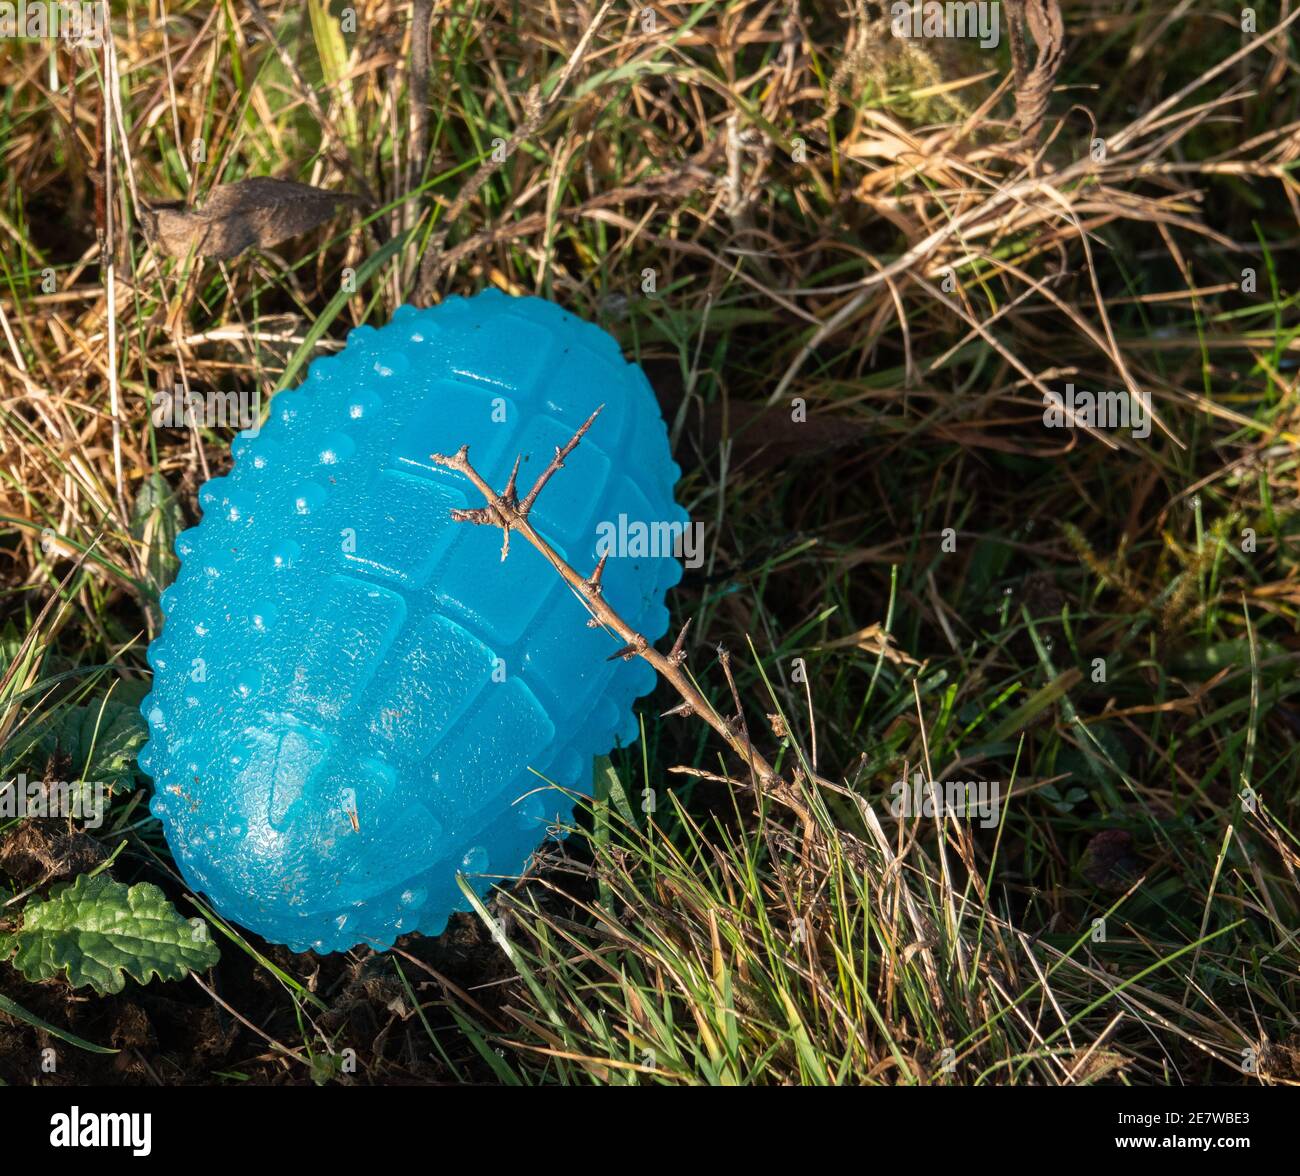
350 689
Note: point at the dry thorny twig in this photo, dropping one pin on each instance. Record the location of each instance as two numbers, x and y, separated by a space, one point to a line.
507 511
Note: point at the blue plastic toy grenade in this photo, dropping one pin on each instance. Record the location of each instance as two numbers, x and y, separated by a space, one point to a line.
354 698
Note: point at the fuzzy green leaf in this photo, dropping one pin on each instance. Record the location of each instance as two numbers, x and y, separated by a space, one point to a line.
101 737
98 930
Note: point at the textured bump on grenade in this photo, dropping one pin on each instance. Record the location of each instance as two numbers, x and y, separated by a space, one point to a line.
354 698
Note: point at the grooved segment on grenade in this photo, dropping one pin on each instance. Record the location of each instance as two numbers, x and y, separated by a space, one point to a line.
355 626
566 770
478 357
432 674
290 757
500 606
367 848
566 398
435 427
387 853
564 656
484 758
405 538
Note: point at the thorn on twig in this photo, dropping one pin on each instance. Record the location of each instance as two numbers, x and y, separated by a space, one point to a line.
682 708
508 494
634 648
504 510
507 503
593 581
677 654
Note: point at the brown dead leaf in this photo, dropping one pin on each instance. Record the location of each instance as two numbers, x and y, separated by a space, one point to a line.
261 211
1095 1065
1042 20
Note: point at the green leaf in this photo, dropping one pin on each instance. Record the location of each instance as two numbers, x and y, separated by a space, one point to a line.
609 788
98 929
102 737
